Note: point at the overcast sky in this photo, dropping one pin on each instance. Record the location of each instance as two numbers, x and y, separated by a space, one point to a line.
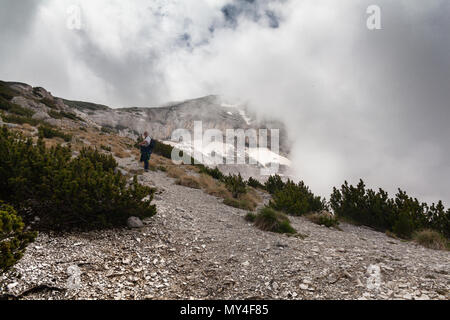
358 103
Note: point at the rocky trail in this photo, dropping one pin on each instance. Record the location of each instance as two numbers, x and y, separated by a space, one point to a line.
198 248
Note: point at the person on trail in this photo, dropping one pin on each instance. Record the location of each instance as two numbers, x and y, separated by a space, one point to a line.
146 150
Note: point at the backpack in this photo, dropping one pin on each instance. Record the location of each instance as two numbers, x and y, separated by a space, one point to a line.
152 144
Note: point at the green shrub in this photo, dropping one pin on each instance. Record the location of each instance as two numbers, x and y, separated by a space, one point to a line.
296 199
235 184
401 215
20 120
107 162
215 173
13 238
106 148
70 115
48 132
366 207
108 130
274 184
80 193
62 114
255 184
250 217
164 150
270 220
404 226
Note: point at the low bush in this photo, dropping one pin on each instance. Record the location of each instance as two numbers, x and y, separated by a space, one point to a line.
64 192
106 148
13 238
402 215
105 161
108 130
215 173
431 239
49 132
250 217
274 184
323 218
62 114
296 199
270 220
11 118
255 184
235 184
70 115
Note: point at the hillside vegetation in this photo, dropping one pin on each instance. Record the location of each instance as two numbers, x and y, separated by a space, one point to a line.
63 192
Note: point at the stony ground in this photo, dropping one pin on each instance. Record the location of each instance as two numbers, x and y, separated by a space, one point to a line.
198 248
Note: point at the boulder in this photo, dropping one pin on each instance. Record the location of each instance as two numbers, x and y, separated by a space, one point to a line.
134 223
41 115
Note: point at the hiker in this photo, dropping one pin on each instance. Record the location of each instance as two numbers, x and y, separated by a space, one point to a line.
146 150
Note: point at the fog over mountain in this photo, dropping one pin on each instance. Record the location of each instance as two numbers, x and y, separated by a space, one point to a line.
357 103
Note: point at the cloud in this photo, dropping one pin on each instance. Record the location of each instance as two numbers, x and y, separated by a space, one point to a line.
358 103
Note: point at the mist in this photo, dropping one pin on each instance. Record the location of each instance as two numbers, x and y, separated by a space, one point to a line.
358 103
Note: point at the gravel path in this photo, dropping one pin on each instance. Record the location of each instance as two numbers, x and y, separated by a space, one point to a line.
196 247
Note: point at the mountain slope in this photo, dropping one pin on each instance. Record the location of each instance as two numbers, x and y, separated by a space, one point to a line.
198 248
161 122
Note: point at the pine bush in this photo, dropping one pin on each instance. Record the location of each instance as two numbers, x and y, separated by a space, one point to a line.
215 173
255 183
235 184
402 215
46 131
296 199
13 238
274 184
81 193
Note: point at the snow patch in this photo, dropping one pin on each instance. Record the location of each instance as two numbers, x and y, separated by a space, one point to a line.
245 117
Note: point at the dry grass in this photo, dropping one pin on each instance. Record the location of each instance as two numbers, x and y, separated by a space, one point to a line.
189 181
175 172
323 218
431 239
121 154
214 187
